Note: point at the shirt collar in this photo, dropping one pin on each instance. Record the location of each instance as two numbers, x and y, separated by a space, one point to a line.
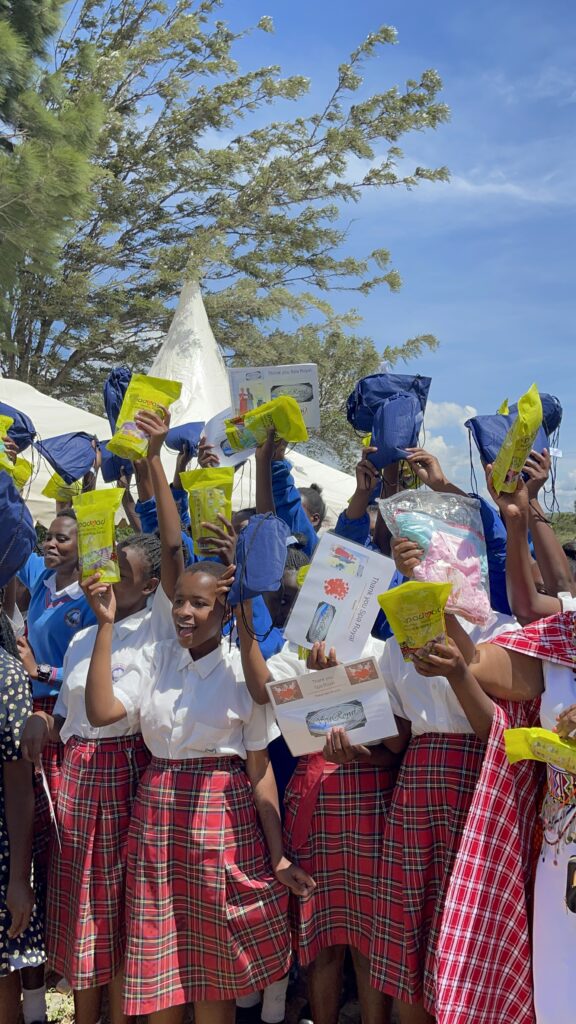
73 590
134 621
201 666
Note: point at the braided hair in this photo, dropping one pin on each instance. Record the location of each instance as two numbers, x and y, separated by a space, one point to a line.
148 544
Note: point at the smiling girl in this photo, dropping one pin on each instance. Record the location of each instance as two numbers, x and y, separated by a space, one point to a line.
207 879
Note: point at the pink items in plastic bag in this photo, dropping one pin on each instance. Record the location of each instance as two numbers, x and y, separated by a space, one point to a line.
448 528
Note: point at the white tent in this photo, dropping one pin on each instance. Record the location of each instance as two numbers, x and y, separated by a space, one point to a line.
190 355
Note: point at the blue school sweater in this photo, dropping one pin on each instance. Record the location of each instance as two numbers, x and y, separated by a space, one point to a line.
53 619
288 504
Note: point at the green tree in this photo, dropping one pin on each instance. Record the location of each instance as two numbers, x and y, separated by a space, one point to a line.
183 187
47 136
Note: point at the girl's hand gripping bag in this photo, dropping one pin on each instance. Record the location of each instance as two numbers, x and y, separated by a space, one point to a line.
209 495
251 429
95 513
415 612
448 528
150 393
518 443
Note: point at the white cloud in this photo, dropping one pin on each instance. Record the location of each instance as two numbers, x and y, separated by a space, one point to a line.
442 414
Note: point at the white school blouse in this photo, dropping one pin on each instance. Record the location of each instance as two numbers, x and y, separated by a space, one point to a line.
200 708
429 703
129 636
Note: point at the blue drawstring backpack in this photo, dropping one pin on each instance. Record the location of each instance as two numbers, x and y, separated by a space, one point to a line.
115 387
70 455
488 433
22 430
18 537
396 425
111 465
371 391
551 413
260 558
185 434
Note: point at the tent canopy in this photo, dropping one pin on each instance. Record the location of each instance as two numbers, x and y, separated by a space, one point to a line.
189 354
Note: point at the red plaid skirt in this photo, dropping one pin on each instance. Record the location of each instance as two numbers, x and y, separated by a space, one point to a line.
433 793
52 756
86 935
206 919
340 846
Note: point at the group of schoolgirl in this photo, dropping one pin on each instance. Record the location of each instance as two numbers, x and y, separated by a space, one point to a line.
172 880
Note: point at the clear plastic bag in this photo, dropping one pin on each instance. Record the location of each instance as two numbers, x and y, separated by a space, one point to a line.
448 528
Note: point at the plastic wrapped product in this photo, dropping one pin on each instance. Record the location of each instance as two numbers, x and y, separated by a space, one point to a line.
210 495
251 429
518 443
143 393
489 434
415 612
21 472
59 490
448 528
5 462
540 745
95 512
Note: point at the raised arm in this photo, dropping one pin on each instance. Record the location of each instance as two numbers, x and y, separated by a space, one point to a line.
168 519
525 601
263 457
550 556
102 706
255 668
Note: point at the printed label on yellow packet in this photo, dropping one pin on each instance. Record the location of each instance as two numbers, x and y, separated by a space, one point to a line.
415 612
540 745
143 393
95 512
209 495
518 442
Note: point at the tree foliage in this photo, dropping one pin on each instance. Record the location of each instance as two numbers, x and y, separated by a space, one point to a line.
191 175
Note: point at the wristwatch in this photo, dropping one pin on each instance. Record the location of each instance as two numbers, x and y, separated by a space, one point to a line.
43 673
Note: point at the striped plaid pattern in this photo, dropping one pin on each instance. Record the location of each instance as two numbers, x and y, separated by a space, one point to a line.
483 959
341 849
551 639
86 934
206 918
52 763
431 800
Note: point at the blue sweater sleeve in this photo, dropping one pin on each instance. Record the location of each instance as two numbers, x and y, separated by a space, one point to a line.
495 537
381 628
181 499
149 523
357 530
288 504
31 571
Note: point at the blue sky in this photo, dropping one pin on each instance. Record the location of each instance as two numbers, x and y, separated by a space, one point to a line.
487 260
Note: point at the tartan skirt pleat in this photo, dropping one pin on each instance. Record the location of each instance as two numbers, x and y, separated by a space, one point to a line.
52 756
342 851
85 924
427 815
206 918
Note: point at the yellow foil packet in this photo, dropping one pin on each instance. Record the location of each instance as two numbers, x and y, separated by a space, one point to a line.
251 429
21 472
540 745
143 393
209 495
415 612
95 513
58 489
5 462
518 443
